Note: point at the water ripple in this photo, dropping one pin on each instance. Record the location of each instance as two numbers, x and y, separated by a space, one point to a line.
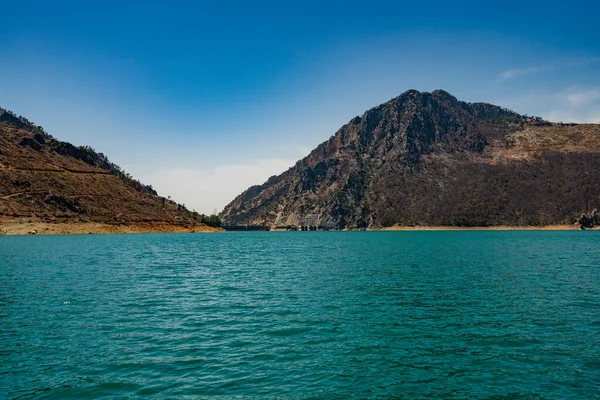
366 315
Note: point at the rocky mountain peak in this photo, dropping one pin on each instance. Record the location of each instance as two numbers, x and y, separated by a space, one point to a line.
397 163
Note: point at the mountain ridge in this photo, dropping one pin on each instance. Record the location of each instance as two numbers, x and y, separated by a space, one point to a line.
376 169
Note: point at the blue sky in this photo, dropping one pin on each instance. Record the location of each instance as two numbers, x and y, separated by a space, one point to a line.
203 99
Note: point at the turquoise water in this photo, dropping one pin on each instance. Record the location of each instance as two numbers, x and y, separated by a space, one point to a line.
502 315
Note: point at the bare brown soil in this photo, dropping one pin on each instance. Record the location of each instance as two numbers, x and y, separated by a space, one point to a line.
9 226
44 191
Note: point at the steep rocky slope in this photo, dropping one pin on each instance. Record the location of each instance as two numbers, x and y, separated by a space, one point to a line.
46 180
430 159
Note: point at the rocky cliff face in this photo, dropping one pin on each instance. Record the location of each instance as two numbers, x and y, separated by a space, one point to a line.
430 159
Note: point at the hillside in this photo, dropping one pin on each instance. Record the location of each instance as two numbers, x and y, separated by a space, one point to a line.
428 159
61 188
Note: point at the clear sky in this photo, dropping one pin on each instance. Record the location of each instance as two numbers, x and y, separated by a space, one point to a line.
203 99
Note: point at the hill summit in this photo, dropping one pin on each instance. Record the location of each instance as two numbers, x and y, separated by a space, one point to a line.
50 186
430 159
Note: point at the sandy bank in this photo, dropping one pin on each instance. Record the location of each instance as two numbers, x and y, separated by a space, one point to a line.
25 227
482 228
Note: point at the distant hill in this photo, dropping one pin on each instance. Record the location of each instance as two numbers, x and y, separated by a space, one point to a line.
430 159
46 180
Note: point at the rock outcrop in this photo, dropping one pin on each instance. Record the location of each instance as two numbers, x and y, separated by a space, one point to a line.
589 221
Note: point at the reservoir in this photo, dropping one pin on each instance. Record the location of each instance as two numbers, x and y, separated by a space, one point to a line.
301 315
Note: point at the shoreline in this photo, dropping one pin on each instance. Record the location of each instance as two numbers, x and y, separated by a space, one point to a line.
28 227
481 228
14 227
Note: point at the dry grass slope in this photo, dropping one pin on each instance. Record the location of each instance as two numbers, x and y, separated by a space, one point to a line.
38 185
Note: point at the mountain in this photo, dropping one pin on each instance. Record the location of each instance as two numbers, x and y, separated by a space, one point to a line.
429 159
75 189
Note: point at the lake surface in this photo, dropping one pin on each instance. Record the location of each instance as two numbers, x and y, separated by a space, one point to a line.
502 315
